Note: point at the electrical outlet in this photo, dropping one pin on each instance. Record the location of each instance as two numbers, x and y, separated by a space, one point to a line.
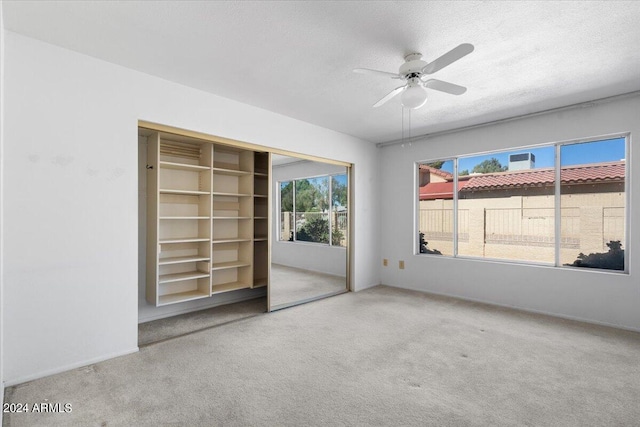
385 262
401 265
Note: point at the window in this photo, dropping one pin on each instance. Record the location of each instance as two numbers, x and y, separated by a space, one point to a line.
435 224
314 210
593 200
506 205
510 205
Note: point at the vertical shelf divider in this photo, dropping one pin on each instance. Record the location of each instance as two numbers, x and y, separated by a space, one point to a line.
261 219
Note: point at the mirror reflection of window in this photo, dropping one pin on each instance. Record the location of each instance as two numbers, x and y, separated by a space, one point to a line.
312 204
314 210
286 211
311 218
339 210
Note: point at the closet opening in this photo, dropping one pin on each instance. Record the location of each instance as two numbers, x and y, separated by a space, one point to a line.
209 240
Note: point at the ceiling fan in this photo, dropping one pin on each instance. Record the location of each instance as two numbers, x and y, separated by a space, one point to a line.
415 72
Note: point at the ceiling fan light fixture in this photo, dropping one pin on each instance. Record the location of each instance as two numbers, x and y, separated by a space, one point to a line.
414 97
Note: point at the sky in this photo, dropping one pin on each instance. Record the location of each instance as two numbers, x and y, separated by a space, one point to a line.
570 154
342 179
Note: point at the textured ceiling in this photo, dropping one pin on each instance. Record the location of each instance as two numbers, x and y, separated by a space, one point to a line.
295 58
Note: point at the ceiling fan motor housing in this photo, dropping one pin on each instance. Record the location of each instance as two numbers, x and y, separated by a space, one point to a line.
413 65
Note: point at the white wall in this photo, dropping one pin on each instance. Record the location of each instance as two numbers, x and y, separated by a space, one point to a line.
70 202
593 296
1 201
308 256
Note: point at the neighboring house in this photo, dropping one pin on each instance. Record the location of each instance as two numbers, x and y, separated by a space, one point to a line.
510 215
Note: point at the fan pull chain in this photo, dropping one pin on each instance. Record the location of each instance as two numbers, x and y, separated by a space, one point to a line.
402 115
408 110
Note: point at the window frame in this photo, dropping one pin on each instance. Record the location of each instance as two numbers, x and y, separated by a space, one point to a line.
557 203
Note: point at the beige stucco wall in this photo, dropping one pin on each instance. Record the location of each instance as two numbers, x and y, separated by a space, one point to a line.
522 227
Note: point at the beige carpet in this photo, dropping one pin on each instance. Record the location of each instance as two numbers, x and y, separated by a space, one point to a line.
172 327
383 356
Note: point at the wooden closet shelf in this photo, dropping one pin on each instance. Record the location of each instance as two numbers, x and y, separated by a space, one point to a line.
184 240
230 241
182 259
181 297
231 172
184 166
184 192
184 217
179 277
228 265
226 287
231 217
218 193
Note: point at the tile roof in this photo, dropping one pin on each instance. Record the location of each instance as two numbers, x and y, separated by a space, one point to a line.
491 181
438 190
578 174
438 172
542 177
599 172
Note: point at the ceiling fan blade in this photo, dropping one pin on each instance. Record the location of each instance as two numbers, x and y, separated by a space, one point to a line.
380 73
390 95
445 87
452 56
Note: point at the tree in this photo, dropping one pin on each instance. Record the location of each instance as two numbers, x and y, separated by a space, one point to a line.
464 172
338 193
436 165
610 260
286 197
314 229
305 195
336 237
489 166
311 195
423 246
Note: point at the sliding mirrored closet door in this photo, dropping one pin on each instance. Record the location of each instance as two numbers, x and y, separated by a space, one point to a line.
310 229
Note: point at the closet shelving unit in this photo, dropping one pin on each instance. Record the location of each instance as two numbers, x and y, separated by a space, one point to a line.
203 234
